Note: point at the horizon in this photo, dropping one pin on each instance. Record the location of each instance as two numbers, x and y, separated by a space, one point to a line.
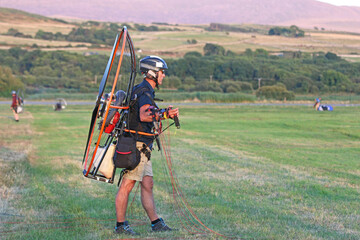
349 3
305 14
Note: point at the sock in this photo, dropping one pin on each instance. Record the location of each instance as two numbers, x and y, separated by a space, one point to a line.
155 221
118 224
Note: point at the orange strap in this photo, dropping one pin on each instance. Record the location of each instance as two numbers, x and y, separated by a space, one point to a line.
116 107
141 133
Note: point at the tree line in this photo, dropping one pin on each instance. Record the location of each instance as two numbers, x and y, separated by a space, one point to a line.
292 31
103 33
297 71
89 32
215 70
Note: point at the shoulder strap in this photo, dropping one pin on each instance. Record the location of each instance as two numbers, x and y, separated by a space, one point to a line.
140 90
151 98
133 115
144 90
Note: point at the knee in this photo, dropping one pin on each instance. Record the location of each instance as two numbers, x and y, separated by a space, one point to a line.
126 186
147 183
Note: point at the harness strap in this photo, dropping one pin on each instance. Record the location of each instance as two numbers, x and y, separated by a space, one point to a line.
122 174
141 133
145 151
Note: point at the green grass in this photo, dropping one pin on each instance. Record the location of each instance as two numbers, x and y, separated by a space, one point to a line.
52 94
264 172
179 96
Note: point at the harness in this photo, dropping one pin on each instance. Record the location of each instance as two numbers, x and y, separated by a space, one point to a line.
135 125
133 116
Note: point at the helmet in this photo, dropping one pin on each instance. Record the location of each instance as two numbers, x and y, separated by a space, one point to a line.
13 92
154 63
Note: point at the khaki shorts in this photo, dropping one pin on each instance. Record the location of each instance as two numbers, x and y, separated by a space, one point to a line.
143 169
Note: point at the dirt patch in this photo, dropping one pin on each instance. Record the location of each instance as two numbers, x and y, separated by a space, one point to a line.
7 154
12 181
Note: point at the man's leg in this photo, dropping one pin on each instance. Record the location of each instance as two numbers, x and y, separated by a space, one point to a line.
16 116
147 197
121 200
147 200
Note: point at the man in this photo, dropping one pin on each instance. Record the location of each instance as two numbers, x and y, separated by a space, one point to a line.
58 106
14 105
153 68
317 105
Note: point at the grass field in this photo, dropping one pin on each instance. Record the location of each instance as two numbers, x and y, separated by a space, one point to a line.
264 172
205 97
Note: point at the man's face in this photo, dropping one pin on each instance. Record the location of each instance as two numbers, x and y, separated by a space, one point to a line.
161 75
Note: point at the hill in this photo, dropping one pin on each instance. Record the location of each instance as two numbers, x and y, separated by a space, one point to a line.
29 23
17 16
304 13
171 40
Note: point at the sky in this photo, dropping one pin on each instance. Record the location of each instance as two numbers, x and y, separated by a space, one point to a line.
342 2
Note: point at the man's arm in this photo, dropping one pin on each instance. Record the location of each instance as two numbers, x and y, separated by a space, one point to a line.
146 115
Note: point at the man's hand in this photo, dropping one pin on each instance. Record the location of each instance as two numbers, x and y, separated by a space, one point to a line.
173 112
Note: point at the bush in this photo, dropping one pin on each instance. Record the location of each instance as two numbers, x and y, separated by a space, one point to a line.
213 49
230 86
206 86
293 31
245 86
172 82
277 92
192 54
332 56
8 82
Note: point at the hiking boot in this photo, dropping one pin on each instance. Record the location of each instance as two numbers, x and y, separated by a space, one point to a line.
125 228
160 226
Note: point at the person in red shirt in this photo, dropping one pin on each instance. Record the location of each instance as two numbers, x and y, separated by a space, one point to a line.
14 105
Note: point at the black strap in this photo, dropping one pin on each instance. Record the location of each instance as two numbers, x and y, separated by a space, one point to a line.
158 142
145 151
141 90
122 174
151 99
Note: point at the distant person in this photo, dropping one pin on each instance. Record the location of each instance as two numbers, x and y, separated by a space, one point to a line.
142 119
58 106
321 107
317 104
14 105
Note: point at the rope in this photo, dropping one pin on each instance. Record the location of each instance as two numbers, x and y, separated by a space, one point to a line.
184 211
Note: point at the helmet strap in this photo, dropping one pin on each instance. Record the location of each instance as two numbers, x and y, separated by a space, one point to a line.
152 73
153 76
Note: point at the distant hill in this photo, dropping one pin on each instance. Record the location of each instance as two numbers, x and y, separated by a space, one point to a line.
304 13
17 16
29 23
